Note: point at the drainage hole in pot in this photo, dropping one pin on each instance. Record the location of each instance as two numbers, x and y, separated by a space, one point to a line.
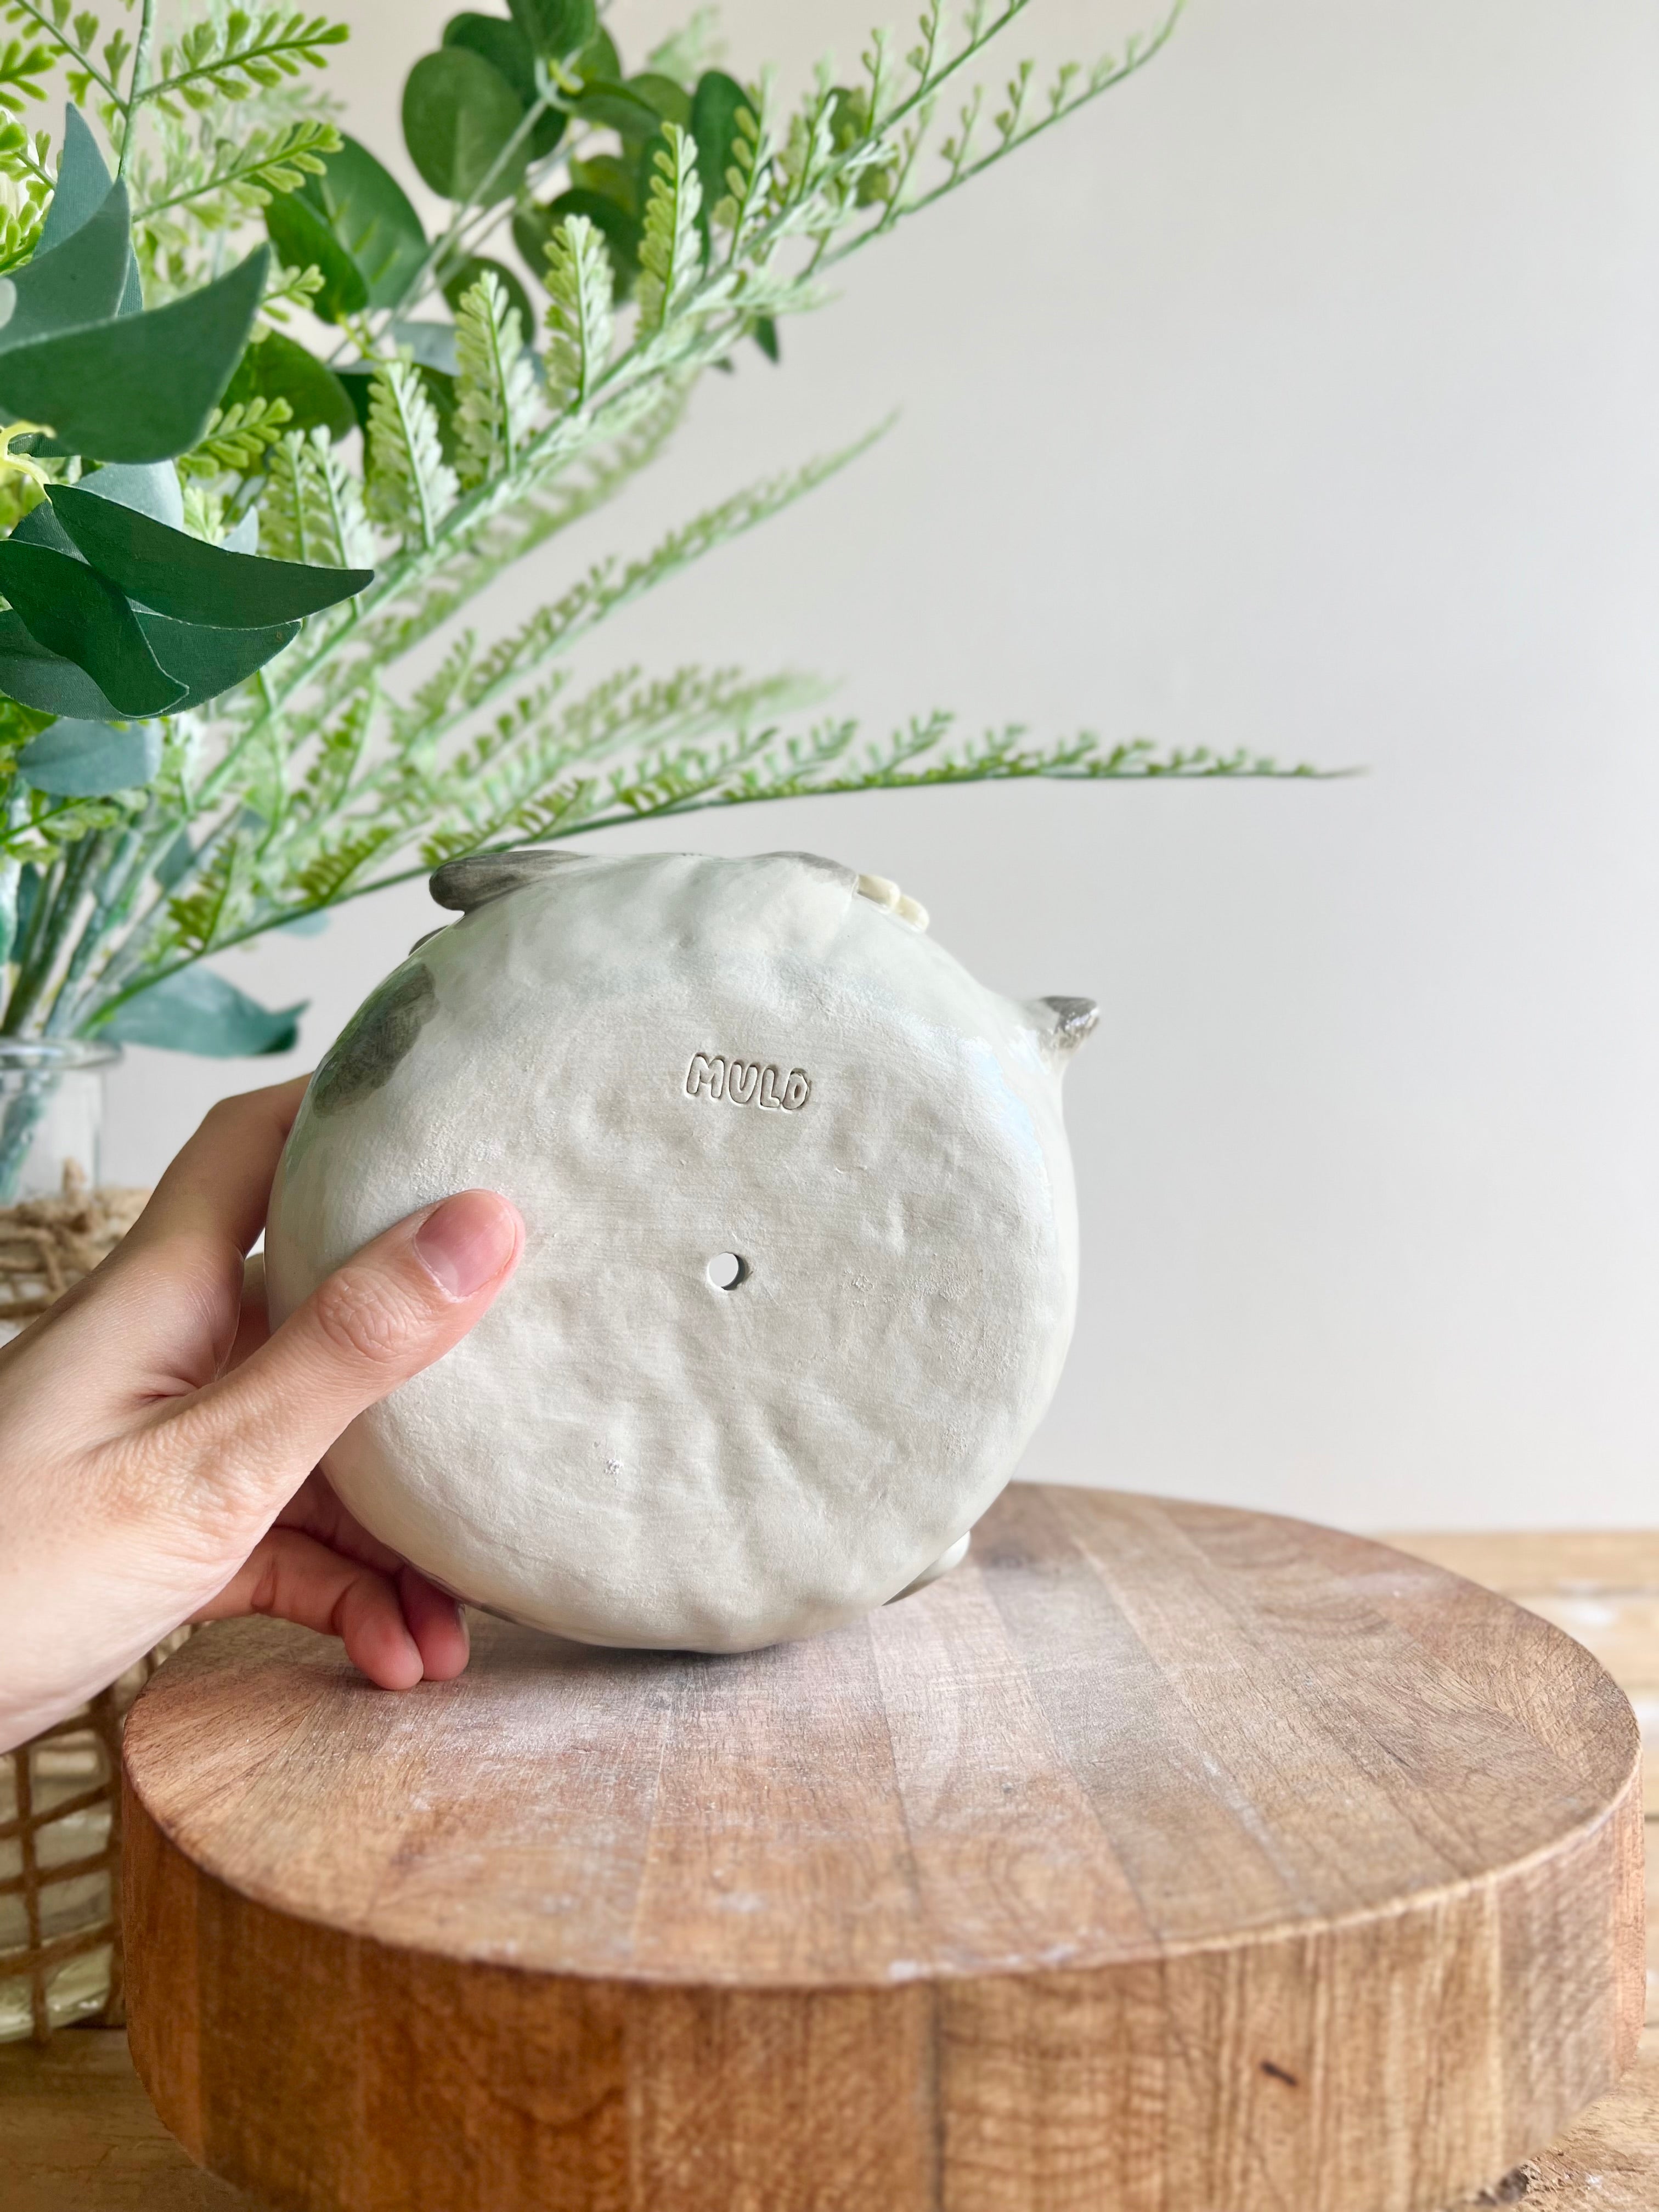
726 1271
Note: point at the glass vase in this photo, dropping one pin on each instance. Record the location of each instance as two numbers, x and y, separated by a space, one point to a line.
52 1115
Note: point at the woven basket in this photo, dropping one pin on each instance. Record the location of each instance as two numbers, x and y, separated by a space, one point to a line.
60 1802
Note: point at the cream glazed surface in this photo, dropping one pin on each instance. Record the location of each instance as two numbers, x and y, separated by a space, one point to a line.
801 1257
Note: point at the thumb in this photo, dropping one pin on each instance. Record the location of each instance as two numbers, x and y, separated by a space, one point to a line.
392 1310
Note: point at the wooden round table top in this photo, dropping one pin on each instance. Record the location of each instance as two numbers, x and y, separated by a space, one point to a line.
1342 1853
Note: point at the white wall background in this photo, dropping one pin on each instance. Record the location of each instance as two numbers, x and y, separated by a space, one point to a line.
1300 396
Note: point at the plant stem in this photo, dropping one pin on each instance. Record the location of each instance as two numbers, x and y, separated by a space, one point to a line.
136 83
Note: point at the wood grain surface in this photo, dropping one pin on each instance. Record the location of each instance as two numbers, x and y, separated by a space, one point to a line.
1165 1856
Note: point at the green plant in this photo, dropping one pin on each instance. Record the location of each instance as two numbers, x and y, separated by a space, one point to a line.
414 420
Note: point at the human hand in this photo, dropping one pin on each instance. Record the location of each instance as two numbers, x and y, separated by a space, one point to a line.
159 1448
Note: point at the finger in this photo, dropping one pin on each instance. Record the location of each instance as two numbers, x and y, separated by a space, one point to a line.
291 1576
253 1317
315 1508
398 1305
220 1184
436 1623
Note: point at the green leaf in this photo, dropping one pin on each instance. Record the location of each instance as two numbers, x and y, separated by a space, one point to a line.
556 30
279 367
668 101
45 680
76 282
206 661
765 335
140 389
638 109
366 212
88 760
533 228
457 286
432 344
303 239
614 179
82 182
195 1011
73 611
172 864
460 112
599 59
502 45
358 378
579 315
192 581
714 107
150 487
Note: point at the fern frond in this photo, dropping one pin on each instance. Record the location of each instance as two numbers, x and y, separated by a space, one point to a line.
204 513
72 40
740 206
239 177
495 385
579 315
237 440
24 199
219 900
23 71
410 485
312 509
671 250
242 55
325 880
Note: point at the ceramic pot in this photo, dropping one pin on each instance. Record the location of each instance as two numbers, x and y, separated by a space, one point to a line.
801 1260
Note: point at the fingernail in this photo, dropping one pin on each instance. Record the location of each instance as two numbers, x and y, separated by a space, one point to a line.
468 1242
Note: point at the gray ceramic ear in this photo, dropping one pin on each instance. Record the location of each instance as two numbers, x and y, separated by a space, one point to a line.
477 877
953 1556
1064 1024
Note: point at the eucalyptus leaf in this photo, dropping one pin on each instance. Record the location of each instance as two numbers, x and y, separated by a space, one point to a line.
74 612
301 235
460 112
457 286
368 214
40 526
558 30
84 182
613 179
88 760
209 660
619 107
669 101
502 45
149 487
141 389
279 367
77 282
173 862
195 1011
45 680
430 344
599 59
186 578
